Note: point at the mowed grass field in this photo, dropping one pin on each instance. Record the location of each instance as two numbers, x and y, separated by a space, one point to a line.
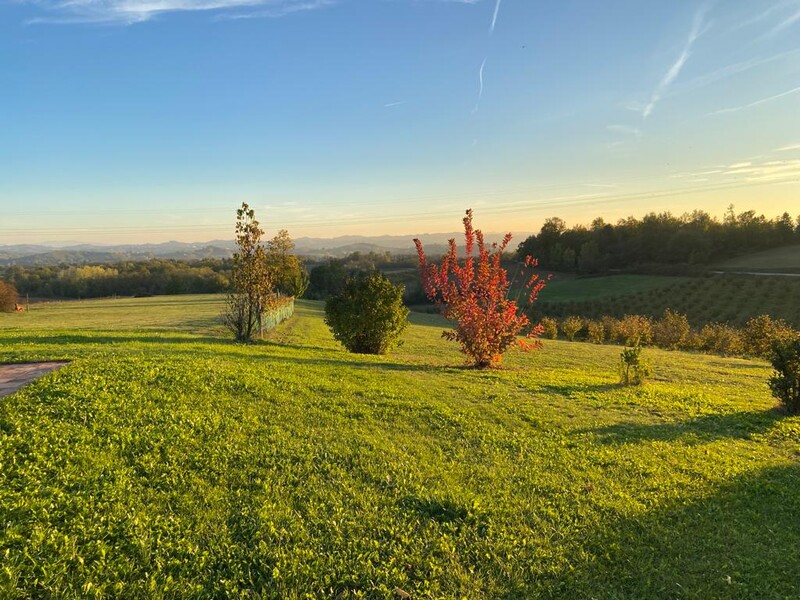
578 289
785 259
166 461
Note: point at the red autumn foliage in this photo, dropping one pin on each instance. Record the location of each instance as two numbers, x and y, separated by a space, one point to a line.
474 293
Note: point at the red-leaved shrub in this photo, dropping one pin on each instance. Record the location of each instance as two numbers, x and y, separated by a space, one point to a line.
474 293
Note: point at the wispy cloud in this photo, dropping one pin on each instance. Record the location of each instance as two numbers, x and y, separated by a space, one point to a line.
762 15
393 104
677 66
625 130
480 88
494 16
750 171
733 69
138 11
785 23
789 148
734 109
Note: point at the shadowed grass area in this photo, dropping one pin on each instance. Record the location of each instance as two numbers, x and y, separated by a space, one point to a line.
173 464
785 259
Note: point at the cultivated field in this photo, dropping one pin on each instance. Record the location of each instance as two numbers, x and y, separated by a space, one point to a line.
167 462
715 298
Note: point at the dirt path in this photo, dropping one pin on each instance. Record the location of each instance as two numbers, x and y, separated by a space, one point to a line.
13 377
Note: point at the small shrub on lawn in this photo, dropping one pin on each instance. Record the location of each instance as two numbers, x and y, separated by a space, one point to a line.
785 381
671 330
571 327
549 328
633 369
595 332
368 316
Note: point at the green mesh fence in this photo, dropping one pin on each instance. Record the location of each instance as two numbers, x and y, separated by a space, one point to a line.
282 311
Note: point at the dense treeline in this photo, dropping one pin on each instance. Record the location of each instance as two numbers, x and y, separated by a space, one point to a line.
661 239
155 276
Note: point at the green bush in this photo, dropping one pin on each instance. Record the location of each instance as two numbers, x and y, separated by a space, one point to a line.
635 330
596 332
571 327
760 334
611 326
549 328
633 369
671 330
718 338
785 381
368 315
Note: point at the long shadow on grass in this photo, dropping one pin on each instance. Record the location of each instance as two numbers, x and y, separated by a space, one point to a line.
570 391
355 363
102 338
740 542
740 425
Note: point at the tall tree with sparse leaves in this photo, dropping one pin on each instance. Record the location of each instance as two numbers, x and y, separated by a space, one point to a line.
251 278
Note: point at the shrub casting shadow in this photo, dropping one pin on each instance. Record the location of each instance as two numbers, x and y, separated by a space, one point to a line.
95 338
740 425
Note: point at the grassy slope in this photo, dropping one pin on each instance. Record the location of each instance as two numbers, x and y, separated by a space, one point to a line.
176 464
571 289
780 260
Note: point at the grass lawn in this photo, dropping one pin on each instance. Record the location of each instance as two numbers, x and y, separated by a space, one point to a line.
167 462
785 259
577 289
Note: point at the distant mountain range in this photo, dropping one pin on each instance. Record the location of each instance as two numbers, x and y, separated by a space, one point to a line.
314 248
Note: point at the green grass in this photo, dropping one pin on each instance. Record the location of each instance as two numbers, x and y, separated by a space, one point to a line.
577 289
720 298
785 259
167 462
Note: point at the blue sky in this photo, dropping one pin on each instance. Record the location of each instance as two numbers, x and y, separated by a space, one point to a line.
149 120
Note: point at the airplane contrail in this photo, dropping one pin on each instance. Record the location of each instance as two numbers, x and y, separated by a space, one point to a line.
480 90
494 18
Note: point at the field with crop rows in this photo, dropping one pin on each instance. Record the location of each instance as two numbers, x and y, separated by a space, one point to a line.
716 298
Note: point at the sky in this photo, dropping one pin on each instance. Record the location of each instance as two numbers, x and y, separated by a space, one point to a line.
126 121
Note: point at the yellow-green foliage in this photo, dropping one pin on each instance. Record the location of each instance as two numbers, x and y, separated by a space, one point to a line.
760 333
549 328
595 332
719 338
635 330
571 327
671 330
